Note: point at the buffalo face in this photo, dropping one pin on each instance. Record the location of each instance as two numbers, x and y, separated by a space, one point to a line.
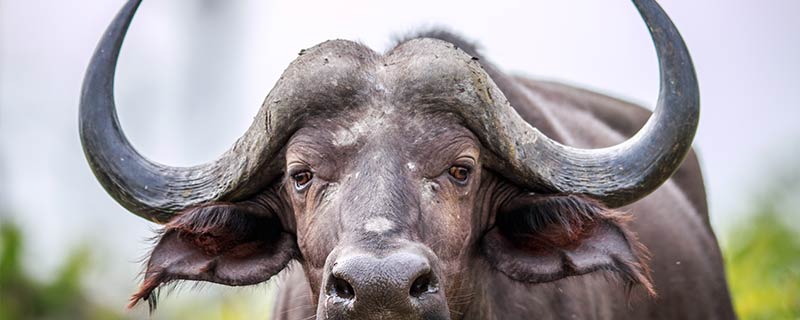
385 211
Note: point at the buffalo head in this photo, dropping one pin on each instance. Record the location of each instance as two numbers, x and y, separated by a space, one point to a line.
396 180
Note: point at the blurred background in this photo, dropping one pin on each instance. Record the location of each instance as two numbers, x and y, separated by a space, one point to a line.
193 73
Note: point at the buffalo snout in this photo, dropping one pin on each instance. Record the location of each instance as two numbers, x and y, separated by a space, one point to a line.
404 283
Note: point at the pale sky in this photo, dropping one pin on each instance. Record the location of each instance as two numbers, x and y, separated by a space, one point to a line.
191 79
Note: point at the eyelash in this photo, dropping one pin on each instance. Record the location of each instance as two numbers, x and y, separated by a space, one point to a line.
302 179
458 170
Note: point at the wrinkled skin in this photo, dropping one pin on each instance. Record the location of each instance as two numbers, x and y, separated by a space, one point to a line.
390 212
385 187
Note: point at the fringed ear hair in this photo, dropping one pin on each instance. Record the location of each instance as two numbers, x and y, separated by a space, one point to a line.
542 238
231 244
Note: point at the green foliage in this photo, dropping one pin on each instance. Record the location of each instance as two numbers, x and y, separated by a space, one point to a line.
62 298
762 259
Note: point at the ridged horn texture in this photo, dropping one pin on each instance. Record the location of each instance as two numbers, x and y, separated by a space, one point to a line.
152 190
617 175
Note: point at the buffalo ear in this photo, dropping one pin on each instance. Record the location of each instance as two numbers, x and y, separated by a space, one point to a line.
542 238
231 244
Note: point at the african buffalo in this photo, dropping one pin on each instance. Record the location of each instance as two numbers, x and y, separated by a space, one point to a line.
423 183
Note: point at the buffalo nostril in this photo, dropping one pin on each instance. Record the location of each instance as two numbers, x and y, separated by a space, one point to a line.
341 288
422 285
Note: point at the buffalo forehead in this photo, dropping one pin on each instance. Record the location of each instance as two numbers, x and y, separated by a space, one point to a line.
413 142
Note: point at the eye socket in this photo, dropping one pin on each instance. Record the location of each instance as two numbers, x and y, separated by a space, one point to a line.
460 173
302 179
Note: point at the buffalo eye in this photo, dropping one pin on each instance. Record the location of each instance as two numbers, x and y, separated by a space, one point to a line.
459 173
302 179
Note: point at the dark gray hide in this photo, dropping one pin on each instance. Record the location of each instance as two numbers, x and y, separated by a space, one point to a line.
422 183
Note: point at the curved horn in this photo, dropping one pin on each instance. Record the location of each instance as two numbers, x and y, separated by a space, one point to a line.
624 173
146 188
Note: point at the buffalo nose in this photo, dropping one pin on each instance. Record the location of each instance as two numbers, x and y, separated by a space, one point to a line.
398 279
